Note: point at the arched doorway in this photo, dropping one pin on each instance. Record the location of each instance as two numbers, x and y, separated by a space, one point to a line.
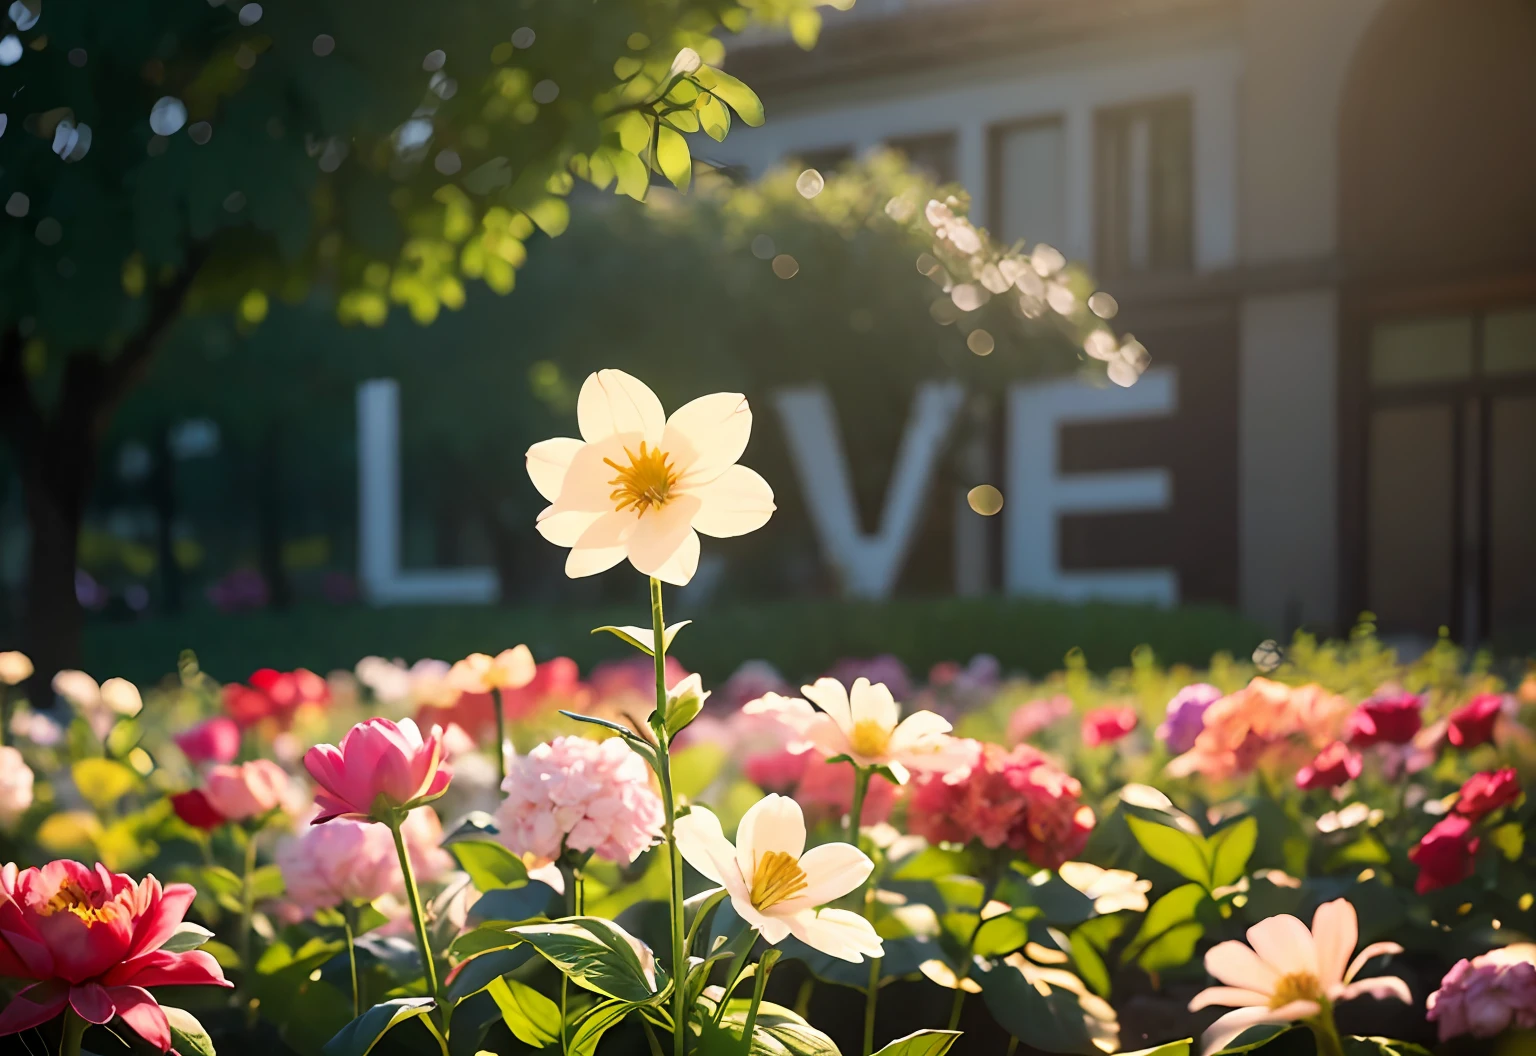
1437 232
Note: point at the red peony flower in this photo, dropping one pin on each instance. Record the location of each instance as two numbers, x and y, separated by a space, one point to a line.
274 694
1487 792
1472 723
1444 855
1385 720
1107 725
194 809
91 940
1333 766
1009 798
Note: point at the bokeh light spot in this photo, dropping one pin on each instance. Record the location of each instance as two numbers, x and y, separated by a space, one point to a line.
324 44
980 342
523 38
985 500
10 50
49 231
434 60
762 247
1103 305
200 132
810 183
167 116
785 266
545 91
250 14
18 204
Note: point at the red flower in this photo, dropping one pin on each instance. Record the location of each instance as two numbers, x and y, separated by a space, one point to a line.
215 740
1385 720
1013 798
275 695
1487 792
91 940
1444 855
1472 723
1106 725
1333 766
194 809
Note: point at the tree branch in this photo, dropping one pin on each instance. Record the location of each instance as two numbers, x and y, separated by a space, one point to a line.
129 365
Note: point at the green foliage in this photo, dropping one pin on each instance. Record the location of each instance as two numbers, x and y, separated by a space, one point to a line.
359 1037
514 904
777 1031
489 865
598 955
1213 862
187 936
187 1035
1170 929
1053 1021
531 1017
921 1043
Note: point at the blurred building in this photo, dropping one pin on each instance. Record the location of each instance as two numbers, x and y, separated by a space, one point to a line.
1320 213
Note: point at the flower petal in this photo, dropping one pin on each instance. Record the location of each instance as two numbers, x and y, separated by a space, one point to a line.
34 1006
1335 930
917 727
163 968
703 845
1236 965
588 483
1229 996
684 562
658 535
873 703
144 1014
831 871
1375 949
1380 987
1284 942
91 1003
708 435
547 462
830 696
1229 1026
773 823
838 933
736 502
612 401
582 561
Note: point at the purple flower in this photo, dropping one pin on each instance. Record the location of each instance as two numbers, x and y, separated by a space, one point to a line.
1186 716
1485 996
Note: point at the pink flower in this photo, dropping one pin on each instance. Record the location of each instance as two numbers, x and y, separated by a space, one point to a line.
245 791
215 740
1008 798
379 769
1107 725
1444 855
1472 724
1035 716
1485 996
345 861
1265 722
15 785
91 941
1392 719
1482 794
1333 766
777 771
825 791
579 794
422 831
1186 716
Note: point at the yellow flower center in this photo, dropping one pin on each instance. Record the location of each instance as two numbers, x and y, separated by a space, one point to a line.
645 483
71 898
778 876
1297 986
869 738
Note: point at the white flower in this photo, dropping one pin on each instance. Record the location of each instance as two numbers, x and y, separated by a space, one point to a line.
866 725
15 668
956 229
775 884
1290 973
1111 889
15 785
99 705
641 485
481 673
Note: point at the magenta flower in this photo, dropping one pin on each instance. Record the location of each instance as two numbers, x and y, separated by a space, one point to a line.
1485 996
379 769
1186 716
1333 766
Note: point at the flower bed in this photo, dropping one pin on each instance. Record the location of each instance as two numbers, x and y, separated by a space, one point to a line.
503 853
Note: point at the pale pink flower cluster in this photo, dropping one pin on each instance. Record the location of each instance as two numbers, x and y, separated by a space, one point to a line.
581 794
15 785
355 861
1487 995
1265 722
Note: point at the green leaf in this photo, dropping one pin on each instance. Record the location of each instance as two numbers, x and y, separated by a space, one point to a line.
477 825
187 1035
359 1037
999 935
1254 1038
598 955
1183 852
267 882
921 1043
531 1017
632 176
103 781
1230 848
187 936
1354 1045
732 92
590 1030
672 157
1171 1048
490 865
1090 966
480 972
642 638
1052 1022
695 768
805 27
714 117
1174 912
515 905
552 215
776 1032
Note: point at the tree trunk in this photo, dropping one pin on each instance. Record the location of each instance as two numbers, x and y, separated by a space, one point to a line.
53 619
162 496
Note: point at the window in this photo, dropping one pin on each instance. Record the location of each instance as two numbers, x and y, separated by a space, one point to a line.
1027 183
1144 187
824 160
932 155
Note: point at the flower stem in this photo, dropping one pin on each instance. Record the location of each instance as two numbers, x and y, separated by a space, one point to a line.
247 908
1013 1044
74 1033
861 779
765 965
1326 1032
501 737
413 896
870 1000
861 776
669 806
349 923
989 886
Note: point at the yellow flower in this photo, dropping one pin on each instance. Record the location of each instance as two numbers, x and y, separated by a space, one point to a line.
480 673
643 486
